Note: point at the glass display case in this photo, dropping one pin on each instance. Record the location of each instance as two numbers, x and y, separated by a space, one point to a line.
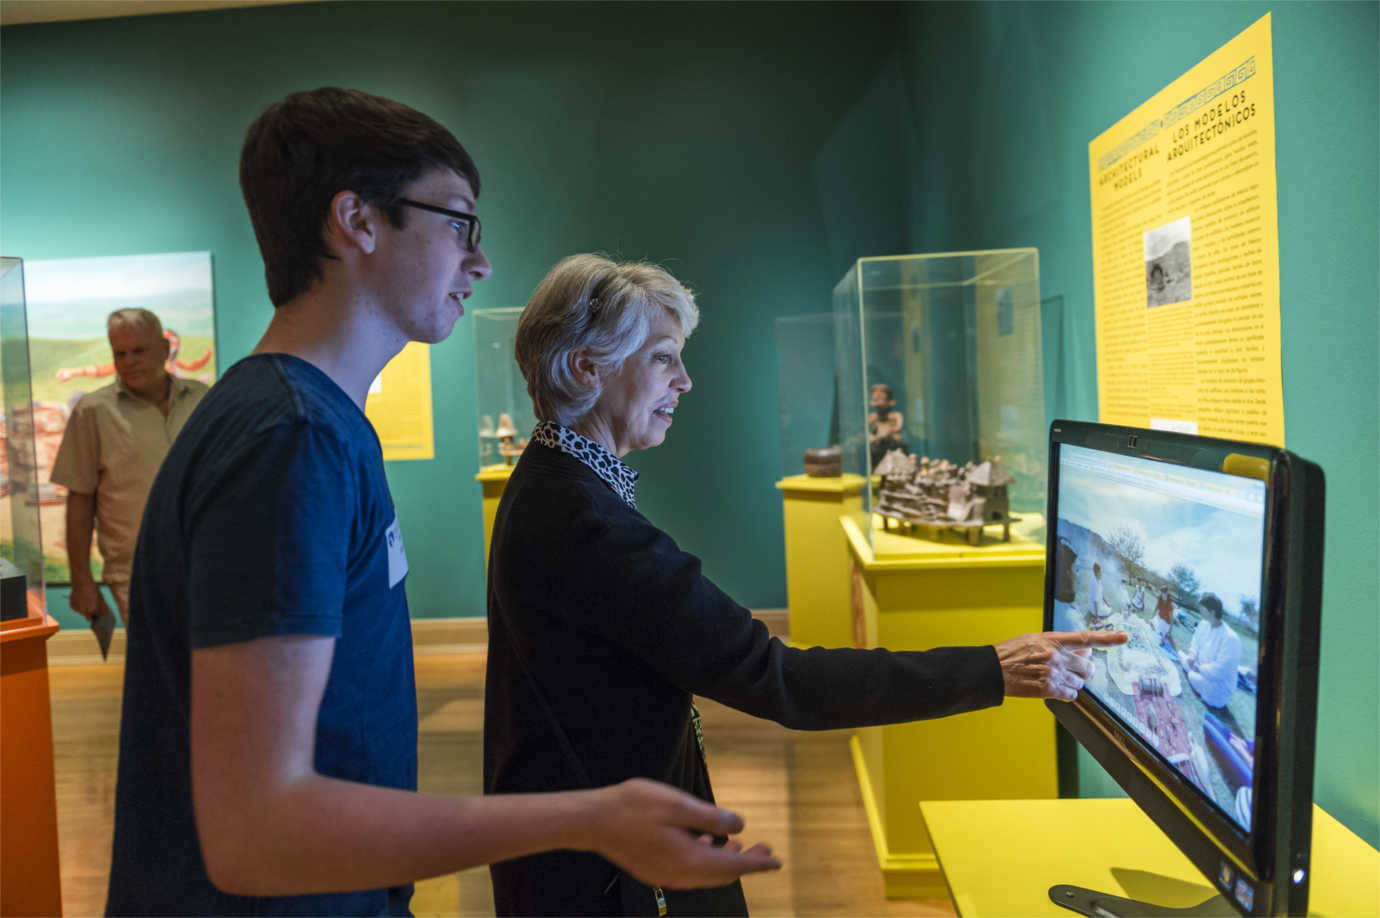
21 547
807 395
504 409
941 400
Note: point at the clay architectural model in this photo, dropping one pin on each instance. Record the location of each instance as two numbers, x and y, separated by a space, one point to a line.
937 494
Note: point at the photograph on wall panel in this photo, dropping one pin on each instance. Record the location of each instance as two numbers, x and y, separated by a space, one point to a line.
68 303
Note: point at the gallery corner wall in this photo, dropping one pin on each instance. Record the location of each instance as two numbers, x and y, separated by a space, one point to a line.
687 134
1003 101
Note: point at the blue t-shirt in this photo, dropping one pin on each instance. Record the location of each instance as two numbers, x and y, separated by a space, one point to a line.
270 516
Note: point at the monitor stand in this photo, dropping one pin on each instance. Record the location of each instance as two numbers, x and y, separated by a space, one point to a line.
1104 905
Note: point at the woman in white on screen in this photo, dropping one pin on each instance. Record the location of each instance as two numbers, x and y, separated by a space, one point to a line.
1213 655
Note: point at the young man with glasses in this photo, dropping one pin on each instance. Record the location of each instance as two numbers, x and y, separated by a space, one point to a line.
268 749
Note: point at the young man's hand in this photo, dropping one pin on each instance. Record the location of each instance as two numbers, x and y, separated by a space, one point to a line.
659 835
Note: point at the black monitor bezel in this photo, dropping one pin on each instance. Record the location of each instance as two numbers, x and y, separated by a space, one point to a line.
1277 844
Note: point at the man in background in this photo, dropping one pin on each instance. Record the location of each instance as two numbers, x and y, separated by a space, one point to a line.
111 450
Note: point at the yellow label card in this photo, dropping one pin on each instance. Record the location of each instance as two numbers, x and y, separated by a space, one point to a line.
1185 239
399 405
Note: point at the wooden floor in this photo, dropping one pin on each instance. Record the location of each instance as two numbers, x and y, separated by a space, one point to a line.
797 792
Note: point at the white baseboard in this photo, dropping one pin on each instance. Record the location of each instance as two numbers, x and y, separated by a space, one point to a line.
429 635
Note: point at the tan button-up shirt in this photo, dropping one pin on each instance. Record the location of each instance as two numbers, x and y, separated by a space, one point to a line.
112 448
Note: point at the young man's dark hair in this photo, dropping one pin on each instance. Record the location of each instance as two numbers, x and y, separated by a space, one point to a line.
311 145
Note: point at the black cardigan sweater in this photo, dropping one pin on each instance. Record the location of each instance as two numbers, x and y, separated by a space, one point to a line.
600 631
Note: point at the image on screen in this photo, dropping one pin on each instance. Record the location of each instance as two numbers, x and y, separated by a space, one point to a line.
1172 556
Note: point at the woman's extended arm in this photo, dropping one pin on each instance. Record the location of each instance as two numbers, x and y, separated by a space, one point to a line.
637 588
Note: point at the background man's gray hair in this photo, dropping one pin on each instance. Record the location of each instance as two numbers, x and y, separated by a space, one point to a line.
604 308
139 319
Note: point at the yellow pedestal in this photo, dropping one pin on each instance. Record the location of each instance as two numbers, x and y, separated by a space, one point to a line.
1001 856
816 557
492 479
914 594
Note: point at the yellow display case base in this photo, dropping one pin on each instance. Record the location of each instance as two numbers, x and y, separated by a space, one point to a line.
918 594
492 479
816 558
904 876
999 858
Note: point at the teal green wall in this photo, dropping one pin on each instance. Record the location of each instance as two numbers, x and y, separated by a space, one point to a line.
756 150
1002 100
685 134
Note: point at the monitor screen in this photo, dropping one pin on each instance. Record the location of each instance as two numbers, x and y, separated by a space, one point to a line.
1208 554
1173 556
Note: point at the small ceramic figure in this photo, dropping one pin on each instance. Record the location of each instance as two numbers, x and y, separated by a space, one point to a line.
884 423
509 445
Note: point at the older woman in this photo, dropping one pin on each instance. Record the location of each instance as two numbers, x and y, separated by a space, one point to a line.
601 629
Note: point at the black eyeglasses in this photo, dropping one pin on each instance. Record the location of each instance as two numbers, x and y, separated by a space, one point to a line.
471 233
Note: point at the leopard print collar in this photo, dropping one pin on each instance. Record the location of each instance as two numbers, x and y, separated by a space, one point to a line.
603 463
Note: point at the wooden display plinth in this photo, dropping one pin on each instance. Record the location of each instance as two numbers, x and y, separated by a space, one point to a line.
817 584
915 594
30 883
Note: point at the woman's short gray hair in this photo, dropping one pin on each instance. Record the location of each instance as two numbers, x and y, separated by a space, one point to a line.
604 308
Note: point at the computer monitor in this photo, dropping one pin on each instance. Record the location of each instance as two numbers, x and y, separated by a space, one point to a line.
1208 553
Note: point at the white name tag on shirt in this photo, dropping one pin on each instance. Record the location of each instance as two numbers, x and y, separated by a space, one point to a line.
397 557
